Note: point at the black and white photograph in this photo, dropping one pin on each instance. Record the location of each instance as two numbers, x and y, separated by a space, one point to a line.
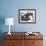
27 15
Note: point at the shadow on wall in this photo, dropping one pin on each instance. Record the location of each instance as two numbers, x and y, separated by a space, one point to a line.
2 21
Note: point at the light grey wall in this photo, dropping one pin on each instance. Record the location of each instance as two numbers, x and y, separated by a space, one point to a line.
9 8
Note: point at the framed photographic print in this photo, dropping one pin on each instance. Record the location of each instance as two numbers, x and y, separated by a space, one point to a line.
27 15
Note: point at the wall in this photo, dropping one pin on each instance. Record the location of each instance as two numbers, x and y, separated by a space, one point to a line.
9 8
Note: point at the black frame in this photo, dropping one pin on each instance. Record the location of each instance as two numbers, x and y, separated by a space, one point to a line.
21 12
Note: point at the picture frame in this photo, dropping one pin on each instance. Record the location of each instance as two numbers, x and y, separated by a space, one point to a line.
27 15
